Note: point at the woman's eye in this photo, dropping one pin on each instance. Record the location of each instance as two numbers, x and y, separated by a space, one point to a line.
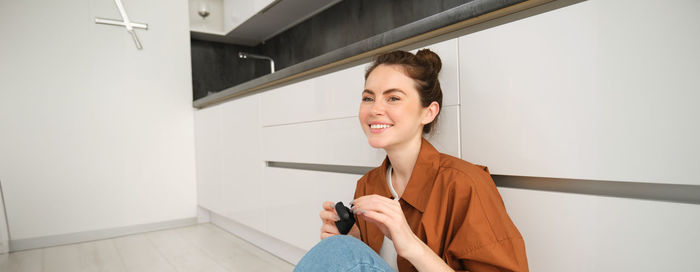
367 99
394 98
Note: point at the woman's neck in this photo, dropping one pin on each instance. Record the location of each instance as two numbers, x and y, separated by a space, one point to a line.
402 160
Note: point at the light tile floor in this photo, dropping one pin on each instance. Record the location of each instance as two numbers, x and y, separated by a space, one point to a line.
202 247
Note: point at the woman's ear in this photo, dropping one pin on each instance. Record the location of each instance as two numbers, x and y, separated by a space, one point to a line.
430 112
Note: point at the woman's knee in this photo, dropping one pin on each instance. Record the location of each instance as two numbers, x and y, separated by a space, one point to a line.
341 242
336 245
342 253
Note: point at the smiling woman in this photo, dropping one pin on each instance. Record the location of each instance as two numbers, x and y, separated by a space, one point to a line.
421 210
402 96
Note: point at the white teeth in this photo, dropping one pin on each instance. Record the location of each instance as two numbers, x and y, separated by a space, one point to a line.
379 126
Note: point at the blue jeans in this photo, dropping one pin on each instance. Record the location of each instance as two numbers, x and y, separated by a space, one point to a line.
342 253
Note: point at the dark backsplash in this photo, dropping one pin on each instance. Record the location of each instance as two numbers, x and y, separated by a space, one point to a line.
216 66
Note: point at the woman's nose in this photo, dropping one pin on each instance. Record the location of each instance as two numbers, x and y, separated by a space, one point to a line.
377 108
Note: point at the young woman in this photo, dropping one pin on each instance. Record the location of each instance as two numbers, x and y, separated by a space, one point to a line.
420 210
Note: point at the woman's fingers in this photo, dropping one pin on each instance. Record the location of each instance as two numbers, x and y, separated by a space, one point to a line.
328 218
378 204
329 206
331 216
383 212
376 218
325 235
328 213
328 229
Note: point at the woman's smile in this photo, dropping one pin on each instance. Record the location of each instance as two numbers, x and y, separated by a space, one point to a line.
377 127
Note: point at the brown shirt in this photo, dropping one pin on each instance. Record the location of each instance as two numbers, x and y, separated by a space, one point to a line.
452 206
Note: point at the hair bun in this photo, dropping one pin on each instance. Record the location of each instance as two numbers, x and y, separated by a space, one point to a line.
431 59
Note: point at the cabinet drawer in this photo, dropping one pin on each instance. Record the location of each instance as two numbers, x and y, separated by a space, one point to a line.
573 232
330 96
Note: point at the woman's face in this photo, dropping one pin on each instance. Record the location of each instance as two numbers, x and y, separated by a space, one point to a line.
391 113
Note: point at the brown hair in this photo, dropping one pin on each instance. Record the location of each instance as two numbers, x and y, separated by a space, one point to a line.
423 68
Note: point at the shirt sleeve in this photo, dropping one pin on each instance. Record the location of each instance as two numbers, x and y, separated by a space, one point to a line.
483 236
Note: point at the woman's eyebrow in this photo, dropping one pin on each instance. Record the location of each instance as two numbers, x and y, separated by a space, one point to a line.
394 90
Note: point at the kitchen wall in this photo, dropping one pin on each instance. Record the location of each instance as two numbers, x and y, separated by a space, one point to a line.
340 25
547 95
96 136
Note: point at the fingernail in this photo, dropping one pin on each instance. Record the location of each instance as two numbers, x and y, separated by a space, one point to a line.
336 217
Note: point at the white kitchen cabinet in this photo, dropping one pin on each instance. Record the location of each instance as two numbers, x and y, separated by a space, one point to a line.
338 141
238 11
293 200
573 232
223 15
445 137
342 142
242 162
213 23
330 96
586 92
229 164
208 157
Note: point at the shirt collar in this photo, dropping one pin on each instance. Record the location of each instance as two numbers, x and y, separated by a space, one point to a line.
420 185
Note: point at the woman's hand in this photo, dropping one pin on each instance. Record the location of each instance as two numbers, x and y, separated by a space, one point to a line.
328 217
387 215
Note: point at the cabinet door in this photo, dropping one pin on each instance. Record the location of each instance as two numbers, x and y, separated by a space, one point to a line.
555 95
208 142
229 164
241 162
573 232
293 200
237 12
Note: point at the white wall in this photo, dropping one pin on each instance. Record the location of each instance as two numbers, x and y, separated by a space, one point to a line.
95 134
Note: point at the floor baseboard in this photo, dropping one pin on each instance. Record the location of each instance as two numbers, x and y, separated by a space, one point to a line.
72 238
281 249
